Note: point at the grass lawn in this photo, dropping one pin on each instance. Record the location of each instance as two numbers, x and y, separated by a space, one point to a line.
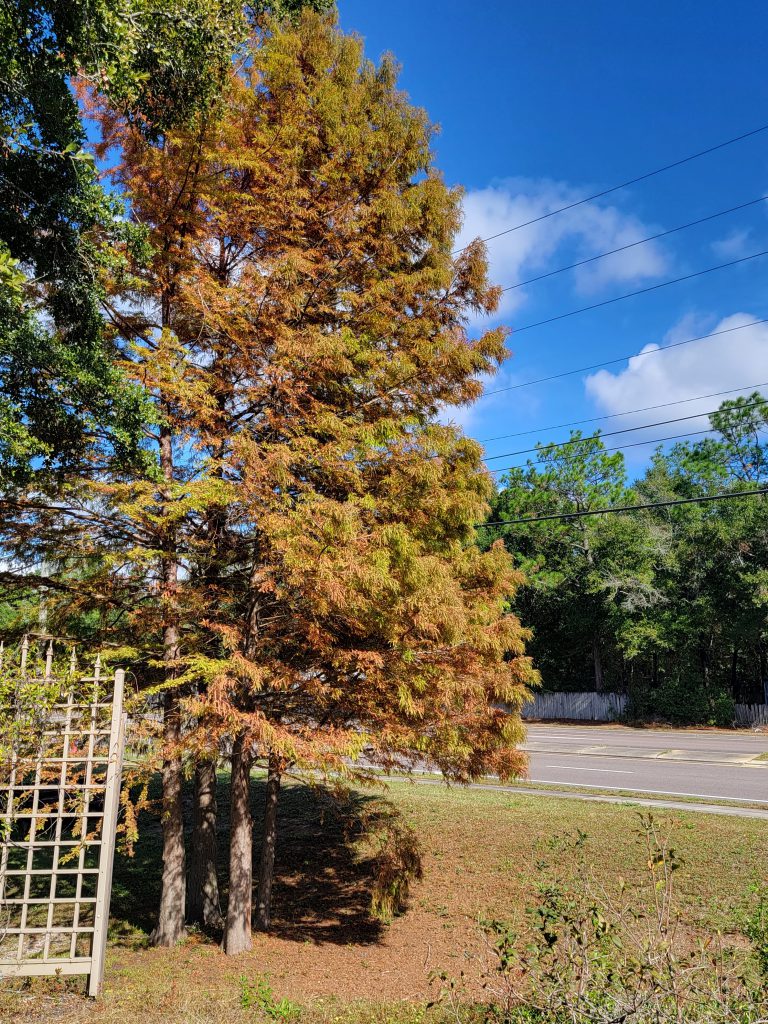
483 855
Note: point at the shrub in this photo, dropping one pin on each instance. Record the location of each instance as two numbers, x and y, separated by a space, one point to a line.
682 702
398 863
258 995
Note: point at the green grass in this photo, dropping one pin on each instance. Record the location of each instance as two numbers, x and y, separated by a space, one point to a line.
621 795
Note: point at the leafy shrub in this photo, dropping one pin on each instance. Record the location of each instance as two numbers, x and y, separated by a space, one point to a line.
398 863
682 702
258 995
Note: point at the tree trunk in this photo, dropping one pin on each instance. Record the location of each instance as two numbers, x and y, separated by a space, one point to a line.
268 846
203 903
599 679
170 918
237 931
734 675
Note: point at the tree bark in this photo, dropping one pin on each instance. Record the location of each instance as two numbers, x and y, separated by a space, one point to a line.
237 931
598 660
204 907
268 846
735 684
170 919
171 915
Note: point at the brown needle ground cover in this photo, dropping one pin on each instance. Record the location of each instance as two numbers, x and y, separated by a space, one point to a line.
482 855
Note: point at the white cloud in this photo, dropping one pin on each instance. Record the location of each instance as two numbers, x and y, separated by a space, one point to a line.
733 245
573 235
673 375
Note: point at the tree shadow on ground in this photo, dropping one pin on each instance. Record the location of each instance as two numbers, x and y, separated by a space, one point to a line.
323 882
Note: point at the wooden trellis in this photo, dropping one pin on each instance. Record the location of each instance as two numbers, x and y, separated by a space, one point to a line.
59 801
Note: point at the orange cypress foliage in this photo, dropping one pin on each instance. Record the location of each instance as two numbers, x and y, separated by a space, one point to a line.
300 325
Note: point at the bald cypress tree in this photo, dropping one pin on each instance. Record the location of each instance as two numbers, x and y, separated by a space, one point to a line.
303 553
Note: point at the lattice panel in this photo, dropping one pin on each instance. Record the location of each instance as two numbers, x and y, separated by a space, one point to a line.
58 815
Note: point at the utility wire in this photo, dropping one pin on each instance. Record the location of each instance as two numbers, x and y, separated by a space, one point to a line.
621 359
641 291
631 245
616 415
627 508
613 433
624 184
612 448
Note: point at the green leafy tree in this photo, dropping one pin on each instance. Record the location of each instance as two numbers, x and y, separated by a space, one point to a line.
711 631
668 604
588 578
160 61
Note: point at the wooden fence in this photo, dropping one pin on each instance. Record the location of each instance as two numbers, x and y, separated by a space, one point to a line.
59 799
587 707
751 714
608 707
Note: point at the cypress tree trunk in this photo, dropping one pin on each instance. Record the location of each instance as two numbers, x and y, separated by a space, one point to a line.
171 915
268 846
237 930
203 903
170 919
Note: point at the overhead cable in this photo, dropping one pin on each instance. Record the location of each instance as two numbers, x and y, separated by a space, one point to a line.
627 508
617 415
613 433
641 291
613 448
631 245
622 359
624 184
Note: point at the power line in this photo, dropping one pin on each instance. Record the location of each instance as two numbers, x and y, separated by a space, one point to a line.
615 188
627 508
621 359
613 433
631 245
612 448
616 415
641 291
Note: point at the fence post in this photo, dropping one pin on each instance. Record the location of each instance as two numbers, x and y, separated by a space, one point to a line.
108 830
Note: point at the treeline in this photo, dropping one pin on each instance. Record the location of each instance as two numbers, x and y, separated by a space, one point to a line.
221 461
667 605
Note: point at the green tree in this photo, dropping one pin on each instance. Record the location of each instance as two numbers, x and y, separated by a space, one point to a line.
160 61
710 633
589 578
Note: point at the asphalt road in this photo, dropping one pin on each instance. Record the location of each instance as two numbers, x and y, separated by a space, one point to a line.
672 762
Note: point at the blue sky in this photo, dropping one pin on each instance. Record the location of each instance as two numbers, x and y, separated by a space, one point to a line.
541 104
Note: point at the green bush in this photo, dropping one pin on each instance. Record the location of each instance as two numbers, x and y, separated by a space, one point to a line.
258 995
682 702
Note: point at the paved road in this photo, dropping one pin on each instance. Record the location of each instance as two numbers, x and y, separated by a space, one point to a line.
711 765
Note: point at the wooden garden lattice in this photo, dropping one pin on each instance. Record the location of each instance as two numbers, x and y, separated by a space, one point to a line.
59 801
